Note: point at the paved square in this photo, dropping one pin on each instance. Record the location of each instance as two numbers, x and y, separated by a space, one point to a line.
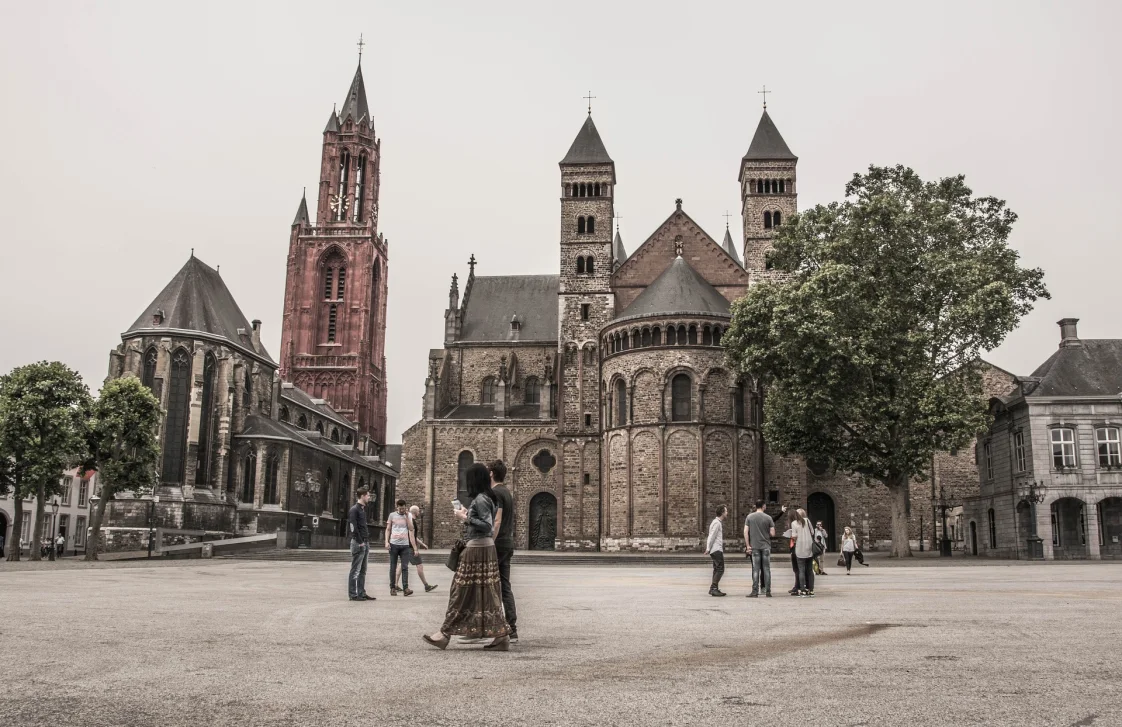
255 643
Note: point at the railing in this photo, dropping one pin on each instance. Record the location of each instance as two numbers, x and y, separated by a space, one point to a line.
327 361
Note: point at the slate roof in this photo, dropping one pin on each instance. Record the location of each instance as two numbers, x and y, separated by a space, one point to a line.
680 289
587 148
730 247
494 299
298 396
392 456
302 211
487 411
197 299
617 249
332 122
355 104
1092 369
263 426
767 143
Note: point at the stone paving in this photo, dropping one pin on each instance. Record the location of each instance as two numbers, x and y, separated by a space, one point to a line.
256 643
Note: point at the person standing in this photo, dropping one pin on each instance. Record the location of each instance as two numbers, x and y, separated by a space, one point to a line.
849 547
715 548
822 537
359 533
60 544
399 541
803 534
504 541
475 604
759 529
415 556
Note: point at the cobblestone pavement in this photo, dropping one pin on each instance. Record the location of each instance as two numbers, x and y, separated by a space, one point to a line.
253 643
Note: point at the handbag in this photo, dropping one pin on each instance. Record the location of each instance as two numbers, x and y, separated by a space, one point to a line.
454 555
841 561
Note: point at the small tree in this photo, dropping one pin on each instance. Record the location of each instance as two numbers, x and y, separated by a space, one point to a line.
868 348
43 409
123 445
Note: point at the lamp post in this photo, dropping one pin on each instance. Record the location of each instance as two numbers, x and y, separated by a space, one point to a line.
151 513
1032 496
53 531
944 542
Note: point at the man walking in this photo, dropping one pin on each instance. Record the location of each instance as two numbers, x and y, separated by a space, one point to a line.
715 548
415 557
399 541
60 544
822 538
360 546
759 529
504 540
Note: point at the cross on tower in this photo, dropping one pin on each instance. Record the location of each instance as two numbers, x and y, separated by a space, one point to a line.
727 216
360 45
617 218
765 93
589 98
471 265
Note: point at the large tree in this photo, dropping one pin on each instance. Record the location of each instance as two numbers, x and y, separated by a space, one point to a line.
867 340
43 411
123 445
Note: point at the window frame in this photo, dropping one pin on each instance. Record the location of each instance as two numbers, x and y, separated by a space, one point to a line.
1064 445
677 398
987 452
1113 447
487 393
1019 451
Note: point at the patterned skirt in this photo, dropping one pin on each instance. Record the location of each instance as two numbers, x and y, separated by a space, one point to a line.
475 603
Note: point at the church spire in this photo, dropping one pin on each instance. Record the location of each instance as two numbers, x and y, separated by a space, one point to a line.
617 249
302 211
355 105
767 143
729 247
587 148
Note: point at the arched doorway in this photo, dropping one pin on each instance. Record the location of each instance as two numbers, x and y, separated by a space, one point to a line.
1069 528
543 521
1110 527
973 538
820 506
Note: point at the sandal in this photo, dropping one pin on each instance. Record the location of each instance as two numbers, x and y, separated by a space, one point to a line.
500 644
442 644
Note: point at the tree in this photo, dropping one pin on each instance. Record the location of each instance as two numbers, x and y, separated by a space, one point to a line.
43 409
868 343
123 445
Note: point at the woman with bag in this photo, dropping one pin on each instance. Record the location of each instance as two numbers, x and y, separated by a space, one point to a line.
849 547
805 551
475 605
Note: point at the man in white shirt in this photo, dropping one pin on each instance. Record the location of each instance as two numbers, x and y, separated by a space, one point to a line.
715 548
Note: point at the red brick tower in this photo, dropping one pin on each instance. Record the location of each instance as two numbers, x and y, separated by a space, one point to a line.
334 329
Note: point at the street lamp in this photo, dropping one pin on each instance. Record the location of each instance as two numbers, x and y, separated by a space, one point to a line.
1032 495
945 542
151 507
89 529
52 536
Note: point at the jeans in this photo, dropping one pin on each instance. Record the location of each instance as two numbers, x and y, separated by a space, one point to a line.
718 566
356 582
761 570
848 559
402 552
505 554
806 574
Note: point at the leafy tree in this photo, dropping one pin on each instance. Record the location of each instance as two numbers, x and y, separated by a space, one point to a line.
43 411
123 445
867 344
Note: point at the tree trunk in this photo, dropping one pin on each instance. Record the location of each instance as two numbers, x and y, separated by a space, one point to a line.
898 493
37 528
92 543
17 527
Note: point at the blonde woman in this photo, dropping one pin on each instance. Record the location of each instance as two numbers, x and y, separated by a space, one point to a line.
849 547
802 532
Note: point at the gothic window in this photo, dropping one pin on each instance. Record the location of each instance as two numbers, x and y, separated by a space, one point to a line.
374 291
580 225
706 336
591 225
584 311
693 335
202 466
344 174
247 386
671 336
334 434
332 321
249 477
580 265
621 403
319 428
284 414
532 391
360 191
681 335
327 273
342 283
588 267
775 218
656 336
179 394
767 219
646 337
680 398
738 405
489 390
463 462
149 376
325 490
302 422
272 468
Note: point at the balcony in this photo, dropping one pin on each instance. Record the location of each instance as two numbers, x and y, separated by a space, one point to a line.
326 361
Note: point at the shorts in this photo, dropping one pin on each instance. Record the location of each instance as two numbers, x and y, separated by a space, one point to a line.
415 559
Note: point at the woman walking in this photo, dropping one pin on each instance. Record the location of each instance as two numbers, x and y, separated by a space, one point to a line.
849 547
475 605
803 533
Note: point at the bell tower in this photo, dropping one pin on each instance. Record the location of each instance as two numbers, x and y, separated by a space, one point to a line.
768 193
334 325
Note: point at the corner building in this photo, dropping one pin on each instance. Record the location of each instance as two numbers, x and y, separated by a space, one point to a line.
605 388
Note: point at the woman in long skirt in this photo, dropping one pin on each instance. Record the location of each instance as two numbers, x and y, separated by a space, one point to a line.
475 604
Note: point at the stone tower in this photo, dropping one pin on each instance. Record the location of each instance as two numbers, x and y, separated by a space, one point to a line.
585 298
334 326
768 193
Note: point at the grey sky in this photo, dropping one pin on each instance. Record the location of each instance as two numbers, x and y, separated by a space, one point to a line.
133 132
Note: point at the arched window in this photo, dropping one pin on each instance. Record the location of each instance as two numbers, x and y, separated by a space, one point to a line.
580 225
247 386
325 490
621 403
319 428
671 336
202 463
782 187
775 219
302 422
767 186
681 335
284 414
693 335
738 404
344 180
175 429
759 186
342 283
767 219
626 340
717 333
680 398
580 265
349 439
993 529
656 336
249 477
588 263
488 390
596 189
149 376
582 190
706 336
334 434
332 322
591 225
465 460
272 468
646 337
532 391
635 340
360 189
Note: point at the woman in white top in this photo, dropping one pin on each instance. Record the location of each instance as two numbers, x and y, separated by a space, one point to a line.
803 533
849 547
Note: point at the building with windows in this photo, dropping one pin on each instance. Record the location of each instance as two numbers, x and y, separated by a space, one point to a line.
71 518
1050 467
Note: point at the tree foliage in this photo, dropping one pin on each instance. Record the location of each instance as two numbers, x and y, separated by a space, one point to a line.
43 412
123 444
868 344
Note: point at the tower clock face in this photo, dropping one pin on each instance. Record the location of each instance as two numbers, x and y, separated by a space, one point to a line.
338 204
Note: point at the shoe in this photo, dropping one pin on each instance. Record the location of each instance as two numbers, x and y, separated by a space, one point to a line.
753 594
366 597
393 591
715 592
408 591
430 589
355 598
847 572
500 644
768 594
513 636
802 594
470 639
794 592
441 644
823 573
810 594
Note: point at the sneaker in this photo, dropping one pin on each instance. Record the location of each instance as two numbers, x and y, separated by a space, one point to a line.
430 589
794 592
514 635
408 591
810 594
802 594
393 591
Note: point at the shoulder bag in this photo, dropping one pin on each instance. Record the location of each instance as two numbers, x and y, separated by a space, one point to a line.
454 555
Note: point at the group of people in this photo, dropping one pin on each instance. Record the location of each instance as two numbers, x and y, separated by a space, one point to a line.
481 602
807 544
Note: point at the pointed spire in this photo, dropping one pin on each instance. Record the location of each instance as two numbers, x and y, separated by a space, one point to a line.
355 106
729 247
767 143
617 249
302 210
587 148
332 122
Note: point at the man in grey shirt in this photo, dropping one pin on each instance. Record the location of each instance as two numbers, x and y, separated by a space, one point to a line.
759 529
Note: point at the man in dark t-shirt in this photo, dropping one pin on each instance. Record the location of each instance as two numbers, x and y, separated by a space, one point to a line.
504 540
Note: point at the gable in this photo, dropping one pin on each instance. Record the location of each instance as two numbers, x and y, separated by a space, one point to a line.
656 254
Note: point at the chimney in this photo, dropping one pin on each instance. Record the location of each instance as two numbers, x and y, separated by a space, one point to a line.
1069 337
256 333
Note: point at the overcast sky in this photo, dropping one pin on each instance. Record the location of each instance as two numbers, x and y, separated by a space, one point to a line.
133 132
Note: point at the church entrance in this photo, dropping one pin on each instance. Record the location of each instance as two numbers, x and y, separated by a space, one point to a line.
543 521
820 506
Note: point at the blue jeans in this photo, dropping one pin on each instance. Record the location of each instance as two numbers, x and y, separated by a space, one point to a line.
356 582
402 552
761 570
806 574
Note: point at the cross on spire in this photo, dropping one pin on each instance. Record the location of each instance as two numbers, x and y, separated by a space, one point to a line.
471 265
617 218
360 45
589 98
727 216
765 92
